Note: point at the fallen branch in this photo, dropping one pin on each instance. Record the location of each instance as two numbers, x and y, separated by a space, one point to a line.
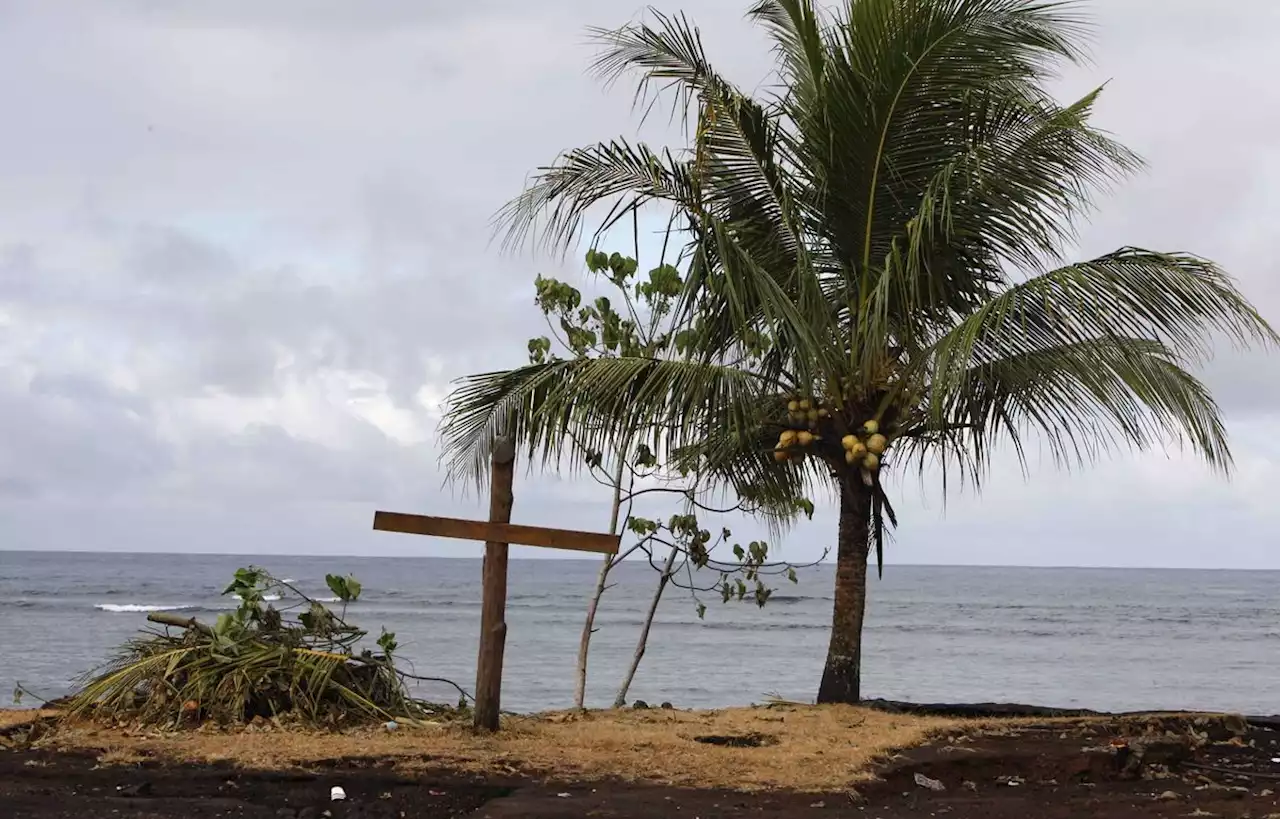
464 694
166 619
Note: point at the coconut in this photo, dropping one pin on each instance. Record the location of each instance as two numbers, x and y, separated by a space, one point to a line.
804 437
793 406
805 404
871 461
781 455
787 438
823 412
849 441
814 415
877 443
872 426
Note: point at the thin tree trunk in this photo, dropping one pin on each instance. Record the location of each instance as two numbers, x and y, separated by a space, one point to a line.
841 678
621 699
588 627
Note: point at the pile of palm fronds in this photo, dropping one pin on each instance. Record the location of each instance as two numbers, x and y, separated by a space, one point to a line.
300 662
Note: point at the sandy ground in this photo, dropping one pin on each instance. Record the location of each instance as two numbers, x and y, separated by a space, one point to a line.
794 762
783 746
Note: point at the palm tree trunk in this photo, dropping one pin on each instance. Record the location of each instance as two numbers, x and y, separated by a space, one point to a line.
841 678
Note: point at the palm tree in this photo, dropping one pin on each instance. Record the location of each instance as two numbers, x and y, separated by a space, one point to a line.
891 221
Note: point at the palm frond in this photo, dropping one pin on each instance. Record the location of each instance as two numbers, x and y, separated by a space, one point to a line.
1091 355
597 404
737 144
796 29
561 194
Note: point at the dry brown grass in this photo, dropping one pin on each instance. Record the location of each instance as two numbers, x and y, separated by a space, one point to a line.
813 748
17 716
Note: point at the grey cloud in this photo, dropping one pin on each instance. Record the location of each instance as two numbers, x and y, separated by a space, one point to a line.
166 255
264 462
13 487
17 261
337 15
77 438
198 193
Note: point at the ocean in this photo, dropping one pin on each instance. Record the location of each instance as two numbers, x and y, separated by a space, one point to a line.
1108 639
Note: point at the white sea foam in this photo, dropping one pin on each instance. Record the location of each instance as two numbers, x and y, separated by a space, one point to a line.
268 598
134 608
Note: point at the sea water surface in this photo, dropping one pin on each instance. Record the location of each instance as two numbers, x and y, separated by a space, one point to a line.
1110 639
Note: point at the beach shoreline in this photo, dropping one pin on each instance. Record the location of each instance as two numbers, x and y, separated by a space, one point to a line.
793 761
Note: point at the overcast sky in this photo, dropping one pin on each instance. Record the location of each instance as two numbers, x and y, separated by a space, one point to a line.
244 247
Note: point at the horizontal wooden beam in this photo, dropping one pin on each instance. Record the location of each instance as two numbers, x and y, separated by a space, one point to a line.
496 532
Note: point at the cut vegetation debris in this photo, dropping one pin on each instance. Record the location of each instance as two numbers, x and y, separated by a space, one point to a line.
818 749
301 663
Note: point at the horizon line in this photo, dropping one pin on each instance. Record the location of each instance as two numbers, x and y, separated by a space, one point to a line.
577 559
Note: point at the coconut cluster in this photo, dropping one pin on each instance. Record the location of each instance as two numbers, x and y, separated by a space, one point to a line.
807 418
804 415
866 447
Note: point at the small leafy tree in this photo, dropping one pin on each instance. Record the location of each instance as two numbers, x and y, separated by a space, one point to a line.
637 322
690 549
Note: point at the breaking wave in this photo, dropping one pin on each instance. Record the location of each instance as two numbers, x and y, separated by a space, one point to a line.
134 608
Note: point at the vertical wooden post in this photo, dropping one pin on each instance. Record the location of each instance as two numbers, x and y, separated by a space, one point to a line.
493 607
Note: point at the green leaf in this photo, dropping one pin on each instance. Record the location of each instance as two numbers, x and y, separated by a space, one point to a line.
642 526
345 589
644 456
539 349
387 641
338 585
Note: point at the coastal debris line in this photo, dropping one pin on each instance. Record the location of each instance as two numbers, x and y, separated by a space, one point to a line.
304 662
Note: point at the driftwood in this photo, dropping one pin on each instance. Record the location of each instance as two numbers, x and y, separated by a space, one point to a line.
164 618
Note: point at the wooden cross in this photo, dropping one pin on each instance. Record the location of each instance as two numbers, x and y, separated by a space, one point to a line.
497 533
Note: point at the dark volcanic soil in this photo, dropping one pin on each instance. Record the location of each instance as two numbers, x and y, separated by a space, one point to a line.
1047 771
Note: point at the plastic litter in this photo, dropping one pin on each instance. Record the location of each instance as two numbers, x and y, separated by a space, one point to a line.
337 794
931 784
